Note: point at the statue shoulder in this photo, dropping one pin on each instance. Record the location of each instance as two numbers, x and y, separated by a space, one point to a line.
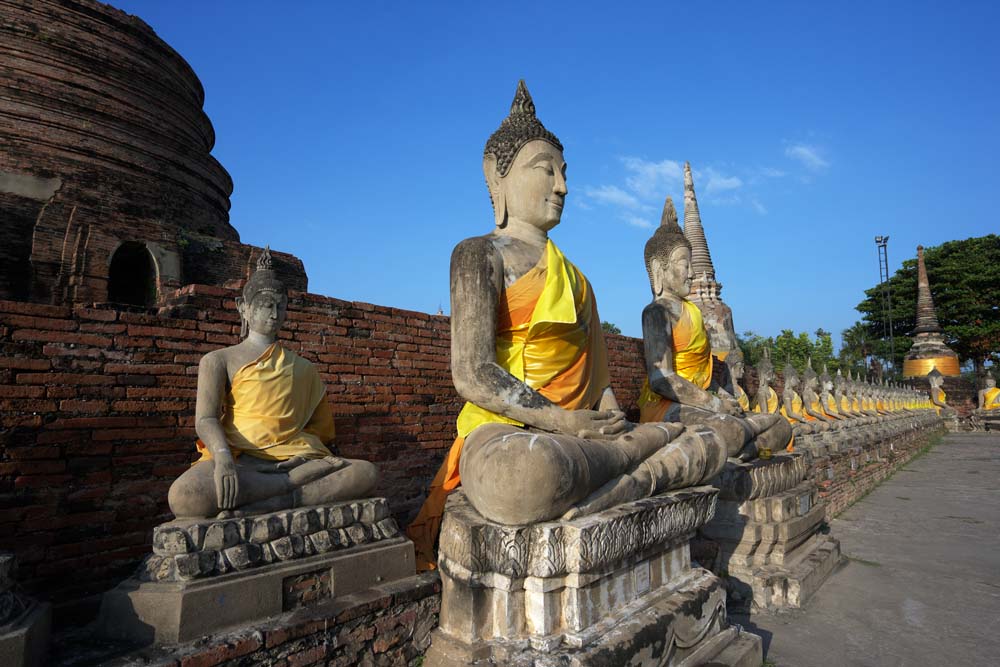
475 254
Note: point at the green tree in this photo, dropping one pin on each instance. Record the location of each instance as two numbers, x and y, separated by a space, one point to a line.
965 284
609 328
789 346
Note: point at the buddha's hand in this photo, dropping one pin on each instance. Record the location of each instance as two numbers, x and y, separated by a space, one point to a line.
285 466
728 406
593 424
227 482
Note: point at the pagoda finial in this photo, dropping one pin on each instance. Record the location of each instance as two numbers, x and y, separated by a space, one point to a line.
701 259
927 321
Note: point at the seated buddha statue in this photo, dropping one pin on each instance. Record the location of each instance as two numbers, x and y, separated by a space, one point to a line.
845 406
937 394
263 423
541 435
736 367
827 401
811 406
679 387
791 403
766 399
989 395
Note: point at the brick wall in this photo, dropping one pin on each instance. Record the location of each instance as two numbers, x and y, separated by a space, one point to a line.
97 404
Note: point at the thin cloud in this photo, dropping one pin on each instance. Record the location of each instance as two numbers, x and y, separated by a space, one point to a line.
651 179
716 183
636 221
615 196
808 155
757 206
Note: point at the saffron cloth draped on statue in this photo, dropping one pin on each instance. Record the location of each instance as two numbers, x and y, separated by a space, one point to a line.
692 361
276 409
549 336
991 399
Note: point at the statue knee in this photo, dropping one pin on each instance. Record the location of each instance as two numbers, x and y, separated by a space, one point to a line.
522 477
189 496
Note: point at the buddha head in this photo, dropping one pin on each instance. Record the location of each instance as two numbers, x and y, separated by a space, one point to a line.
839 381
935 378
809 379
791 377
990 381
825 380
736 364
668 256
765 370
265 298
524 168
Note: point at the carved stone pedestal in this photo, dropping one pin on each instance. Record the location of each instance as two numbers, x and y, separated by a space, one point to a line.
615 587
767 528
204 576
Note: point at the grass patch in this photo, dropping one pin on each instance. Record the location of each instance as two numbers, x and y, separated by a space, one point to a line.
902 497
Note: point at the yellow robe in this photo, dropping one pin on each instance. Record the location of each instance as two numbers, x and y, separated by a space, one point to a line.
830 409
549 336
941 399
741 398
276 409
991 399
692 356
796 407
772 402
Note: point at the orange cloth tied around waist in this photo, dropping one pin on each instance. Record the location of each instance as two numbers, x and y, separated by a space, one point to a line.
692 357
549 336
276 409
772 402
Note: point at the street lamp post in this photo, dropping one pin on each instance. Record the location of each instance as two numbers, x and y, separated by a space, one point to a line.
883 272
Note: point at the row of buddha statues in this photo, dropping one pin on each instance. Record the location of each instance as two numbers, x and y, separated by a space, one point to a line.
541 436
817 403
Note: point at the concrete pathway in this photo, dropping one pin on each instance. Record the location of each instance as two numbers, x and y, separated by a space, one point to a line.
921 585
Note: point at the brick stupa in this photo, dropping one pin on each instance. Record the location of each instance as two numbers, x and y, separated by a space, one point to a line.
929 350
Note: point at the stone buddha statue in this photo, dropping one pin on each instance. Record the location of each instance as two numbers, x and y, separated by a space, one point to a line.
989 395
791 403
679 386
936 380
828 403
541 435
263 423
840 395
766 400
812 408
736 366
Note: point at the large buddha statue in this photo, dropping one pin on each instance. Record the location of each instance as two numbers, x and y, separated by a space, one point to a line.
679 386
541 435
263 423
845 406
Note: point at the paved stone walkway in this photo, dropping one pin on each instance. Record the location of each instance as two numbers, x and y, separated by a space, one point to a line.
921 585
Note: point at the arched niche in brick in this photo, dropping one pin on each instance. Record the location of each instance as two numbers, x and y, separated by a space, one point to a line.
132 275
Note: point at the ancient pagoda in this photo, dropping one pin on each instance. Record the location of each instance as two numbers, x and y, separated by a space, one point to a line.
705 290
929 350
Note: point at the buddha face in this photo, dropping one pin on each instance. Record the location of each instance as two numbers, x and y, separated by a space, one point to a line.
265 313
534 190
990 383
736 368
675 275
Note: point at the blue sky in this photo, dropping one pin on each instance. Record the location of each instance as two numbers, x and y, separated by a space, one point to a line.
354 134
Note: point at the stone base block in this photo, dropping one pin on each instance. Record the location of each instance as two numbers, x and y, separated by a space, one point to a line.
616 587
24 641
775 587
179 611
683 625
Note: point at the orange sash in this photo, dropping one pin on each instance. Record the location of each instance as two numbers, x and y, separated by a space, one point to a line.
549 336
692 357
